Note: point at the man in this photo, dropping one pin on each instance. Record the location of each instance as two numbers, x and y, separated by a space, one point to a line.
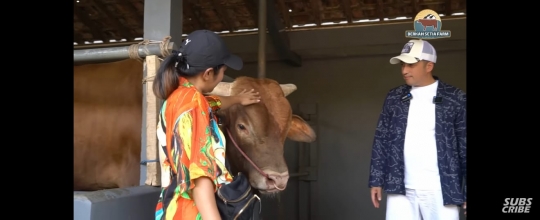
419 150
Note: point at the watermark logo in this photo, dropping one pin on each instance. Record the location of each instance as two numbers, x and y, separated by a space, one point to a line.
517 205
427 25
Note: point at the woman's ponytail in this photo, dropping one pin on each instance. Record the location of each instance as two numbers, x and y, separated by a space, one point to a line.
166 80
167 76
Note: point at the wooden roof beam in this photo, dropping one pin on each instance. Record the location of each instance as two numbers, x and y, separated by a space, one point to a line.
415 8
223 15
189 9
78 38
380 9
86 20
115 22
346 5
139 19
285 13
252 8
448 7
316 12
278 35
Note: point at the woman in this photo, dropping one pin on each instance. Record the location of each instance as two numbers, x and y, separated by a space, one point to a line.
191 143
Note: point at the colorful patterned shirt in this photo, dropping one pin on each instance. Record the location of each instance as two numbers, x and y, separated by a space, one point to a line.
191 146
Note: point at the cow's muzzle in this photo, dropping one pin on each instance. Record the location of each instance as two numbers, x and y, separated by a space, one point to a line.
276 181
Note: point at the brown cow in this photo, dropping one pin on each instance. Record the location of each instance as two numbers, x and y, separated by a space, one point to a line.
108 127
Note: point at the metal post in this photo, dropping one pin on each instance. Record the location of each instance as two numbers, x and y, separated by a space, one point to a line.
262 39
161 18
308 159
313 170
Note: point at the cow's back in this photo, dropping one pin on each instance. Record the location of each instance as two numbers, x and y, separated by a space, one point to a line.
107 124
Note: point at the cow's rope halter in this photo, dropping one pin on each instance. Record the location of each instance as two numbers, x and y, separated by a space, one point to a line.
250 161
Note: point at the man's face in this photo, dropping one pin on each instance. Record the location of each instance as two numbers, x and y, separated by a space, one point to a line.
417 74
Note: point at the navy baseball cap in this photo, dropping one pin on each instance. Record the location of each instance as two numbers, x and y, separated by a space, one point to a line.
205 49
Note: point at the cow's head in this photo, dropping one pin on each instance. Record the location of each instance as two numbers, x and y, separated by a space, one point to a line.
260 131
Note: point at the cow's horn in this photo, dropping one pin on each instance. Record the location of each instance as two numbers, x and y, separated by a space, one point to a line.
287 88
222 89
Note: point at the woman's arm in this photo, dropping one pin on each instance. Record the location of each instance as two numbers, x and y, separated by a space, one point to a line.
196 167
203 195
228 101
224 102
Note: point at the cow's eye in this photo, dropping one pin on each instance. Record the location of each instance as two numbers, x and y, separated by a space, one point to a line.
241 126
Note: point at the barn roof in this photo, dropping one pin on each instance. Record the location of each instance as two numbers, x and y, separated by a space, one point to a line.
110 21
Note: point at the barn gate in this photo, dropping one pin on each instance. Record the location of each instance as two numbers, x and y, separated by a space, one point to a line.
163 23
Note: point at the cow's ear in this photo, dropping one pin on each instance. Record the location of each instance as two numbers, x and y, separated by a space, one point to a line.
222 116
221 113
301 131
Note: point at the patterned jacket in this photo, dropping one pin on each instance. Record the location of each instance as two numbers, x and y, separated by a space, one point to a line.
387 164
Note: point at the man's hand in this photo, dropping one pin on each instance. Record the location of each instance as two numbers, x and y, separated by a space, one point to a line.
376 196
248 97
465 208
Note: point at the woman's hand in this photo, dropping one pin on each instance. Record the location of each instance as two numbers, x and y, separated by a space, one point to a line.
248 97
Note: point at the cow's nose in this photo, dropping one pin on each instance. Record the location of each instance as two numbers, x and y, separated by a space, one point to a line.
277 180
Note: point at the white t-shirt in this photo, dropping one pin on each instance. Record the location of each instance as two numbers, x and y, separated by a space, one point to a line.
420 150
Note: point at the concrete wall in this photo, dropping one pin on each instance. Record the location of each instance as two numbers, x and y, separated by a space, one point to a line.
131 203
347 73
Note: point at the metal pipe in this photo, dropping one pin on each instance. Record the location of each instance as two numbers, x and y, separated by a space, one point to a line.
116 53
262 39
102 45
127 43
298 174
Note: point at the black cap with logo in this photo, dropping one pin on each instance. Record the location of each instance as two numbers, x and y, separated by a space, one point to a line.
205 49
